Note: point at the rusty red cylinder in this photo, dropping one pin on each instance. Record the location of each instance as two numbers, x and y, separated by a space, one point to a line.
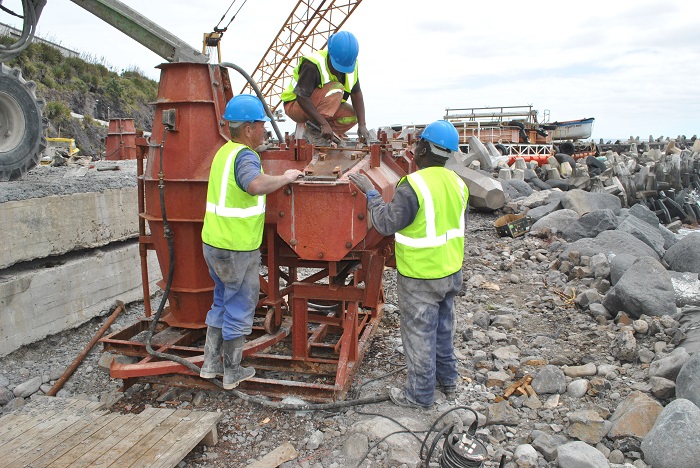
121 140
191 100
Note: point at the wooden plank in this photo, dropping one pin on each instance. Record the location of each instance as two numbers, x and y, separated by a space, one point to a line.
180 441
281 454
35 446
12 421
25 426
41 432
37 411
68 440
104 439
116 450
92 447
211 438
151 439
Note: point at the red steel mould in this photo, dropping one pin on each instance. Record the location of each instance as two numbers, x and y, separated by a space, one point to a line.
321 289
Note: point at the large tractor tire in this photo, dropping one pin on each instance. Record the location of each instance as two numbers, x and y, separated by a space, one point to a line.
22 125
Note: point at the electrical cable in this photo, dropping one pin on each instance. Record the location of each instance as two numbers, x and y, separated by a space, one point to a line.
31 12
168 234
458 451
10 12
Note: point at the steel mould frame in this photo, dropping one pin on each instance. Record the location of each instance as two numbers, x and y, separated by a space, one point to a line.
322 295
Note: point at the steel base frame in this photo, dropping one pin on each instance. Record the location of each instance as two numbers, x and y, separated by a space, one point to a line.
309 336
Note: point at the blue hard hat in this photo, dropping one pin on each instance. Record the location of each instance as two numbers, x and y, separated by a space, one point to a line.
245 108
442 133
343 49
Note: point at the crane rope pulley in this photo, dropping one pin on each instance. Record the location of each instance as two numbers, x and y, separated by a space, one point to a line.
212 40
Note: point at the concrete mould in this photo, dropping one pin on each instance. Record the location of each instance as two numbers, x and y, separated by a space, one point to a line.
48 226
485 193
67 292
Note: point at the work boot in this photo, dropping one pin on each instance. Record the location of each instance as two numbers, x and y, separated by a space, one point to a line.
450 393
212 354
399 398
234 373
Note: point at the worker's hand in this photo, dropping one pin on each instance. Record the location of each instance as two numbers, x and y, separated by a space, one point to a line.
326 131
293 174
362 182
363 133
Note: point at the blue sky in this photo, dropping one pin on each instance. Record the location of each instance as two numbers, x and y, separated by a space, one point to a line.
634 66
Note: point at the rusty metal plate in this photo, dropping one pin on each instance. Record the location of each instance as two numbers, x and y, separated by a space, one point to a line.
329 163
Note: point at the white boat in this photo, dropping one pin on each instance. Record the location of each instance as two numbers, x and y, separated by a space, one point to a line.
572 129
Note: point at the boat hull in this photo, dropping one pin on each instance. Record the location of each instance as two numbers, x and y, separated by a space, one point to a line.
573 129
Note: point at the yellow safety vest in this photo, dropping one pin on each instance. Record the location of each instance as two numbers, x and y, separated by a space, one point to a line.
319 58
234 219
432 246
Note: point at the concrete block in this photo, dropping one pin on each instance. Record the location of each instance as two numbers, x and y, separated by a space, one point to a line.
38 302
484 192
42 227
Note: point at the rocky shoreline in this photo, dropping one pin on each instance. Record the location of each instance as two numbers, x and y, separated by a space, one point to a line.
577 347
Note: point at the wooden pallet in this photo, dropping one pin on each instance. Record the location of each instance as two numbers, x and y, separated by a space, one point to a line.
60 432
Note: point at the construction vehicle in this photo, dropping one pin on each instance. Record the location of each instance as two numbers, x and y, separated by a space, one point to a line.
63 147
322 292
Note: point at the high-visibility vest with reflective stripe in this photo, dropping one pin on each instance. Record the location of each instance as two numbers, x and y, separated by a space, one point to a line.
319 58
432 246
234 220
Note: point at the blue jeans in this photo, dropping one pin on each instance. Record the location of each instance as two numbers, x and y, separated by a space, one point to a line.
236 278
426 333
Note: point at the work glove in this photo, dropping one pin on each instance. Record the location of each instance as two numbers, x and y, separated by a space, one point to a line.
363 133
362 182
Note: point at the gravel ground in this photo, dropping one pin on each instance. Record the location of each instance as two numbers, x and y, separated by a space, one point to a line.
44 181
511 300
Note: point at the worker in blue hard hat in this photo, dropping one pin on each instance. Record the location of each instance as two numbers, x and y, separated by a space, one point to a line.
318 93
231 236
427 215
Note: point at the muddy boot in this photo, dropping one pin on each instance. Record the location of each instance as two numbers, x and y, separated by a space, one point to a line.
234 373
212 354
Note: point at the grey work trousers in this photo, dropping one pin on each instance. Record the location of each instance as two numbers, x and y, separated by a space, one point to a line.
427 333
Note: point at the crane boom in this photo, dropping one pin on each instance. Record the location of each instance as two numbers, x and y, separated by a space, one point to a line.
143 30
307 29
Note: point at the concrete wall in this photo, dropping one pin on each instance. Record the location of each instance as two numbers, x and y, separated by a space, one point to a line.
54 225
39 302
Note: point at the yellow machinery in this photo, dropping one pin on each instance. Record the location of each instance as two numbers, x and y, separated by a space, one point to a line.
64 146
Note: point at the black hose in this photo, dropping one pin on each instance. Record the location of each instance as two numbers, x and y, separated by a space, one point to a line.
311 406
258 93
32 11
450 458
168 234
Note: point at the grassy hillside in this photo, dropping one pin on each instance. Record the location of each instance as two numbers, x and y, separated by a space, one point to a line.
91 89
